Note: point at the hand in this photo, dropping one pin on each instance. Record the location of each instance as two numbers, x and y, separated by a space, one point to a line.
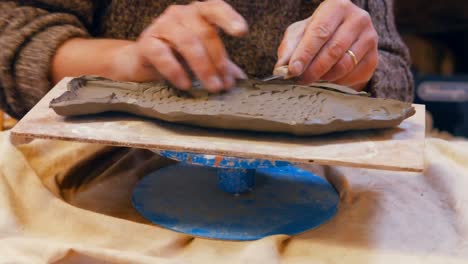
316 48
188 32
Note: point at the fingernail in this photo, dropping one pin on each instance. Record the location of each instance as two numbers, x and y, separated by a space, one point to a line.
242 75
238 72
215 83
297 67
238 26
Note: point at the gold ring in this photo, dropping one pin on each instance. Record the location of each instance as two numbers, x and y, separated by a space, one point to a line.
353 56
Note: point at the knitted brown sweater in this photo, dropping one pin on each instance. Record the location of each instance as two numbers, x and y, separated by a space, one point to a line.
31 31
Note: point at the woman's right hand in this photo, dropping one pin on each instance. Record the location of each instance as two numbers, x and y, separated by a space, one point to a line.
184 34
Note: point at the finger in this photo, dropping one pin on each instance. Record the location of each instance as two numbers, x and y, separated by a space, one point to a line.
319 30
221 14
213 44
147 73
135 67
237 72
363 71
335 49
187 44
346 64
160 55
291 39
366 42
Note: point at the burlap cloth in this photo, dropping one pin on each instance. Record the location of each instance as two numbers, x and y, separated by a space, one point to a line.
64 202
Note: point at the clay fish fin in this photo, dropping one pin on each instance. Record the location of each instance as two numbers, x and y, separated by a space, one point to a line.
338 88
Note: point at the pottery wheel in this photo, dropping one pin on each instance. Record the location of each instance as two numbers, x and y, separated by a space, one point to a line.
234 199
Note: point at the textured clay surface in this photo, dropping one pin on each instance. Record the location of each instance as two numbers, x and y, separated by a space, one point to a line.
255 106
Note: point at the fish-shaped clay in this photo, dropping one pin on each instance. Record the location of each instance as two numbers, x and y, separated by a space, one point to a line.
251 105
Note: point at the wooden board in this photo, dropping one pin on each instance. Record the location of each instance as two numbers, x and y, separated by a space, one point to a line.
401 148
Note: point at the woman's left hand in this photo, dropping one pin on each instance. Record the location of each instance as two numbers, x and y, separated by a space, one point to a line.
338 43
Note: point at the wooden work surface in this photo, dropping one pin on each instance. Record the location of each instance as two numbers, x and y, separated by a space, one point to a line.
401 148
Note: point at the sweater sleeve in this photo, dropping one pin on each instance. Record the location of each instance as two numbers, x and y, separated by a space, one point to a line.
30 33
392 78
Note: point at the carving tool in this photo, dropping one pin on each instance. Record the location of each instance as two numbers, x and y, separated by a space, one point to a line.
279 73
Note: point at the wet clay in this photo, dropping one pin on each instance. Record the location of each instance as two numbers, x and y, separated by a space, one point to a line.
251 105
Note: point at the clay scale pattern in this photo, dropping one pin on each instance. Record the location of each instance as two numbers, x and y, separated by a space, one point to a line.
251 105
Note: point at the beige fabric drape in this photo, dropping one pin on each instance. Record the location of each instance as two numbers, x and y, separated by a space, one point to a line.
63 202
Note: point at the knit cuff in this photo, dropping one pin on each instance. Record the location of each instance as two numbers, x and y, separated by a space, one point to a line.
29 43
33 64
391 76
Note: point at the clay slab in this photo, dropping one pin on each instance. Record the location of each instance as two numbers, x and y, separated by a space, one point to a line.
251 105
400 148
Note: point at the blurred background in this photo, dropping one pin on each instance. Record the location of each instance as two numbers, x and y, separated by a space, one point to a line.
436 33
